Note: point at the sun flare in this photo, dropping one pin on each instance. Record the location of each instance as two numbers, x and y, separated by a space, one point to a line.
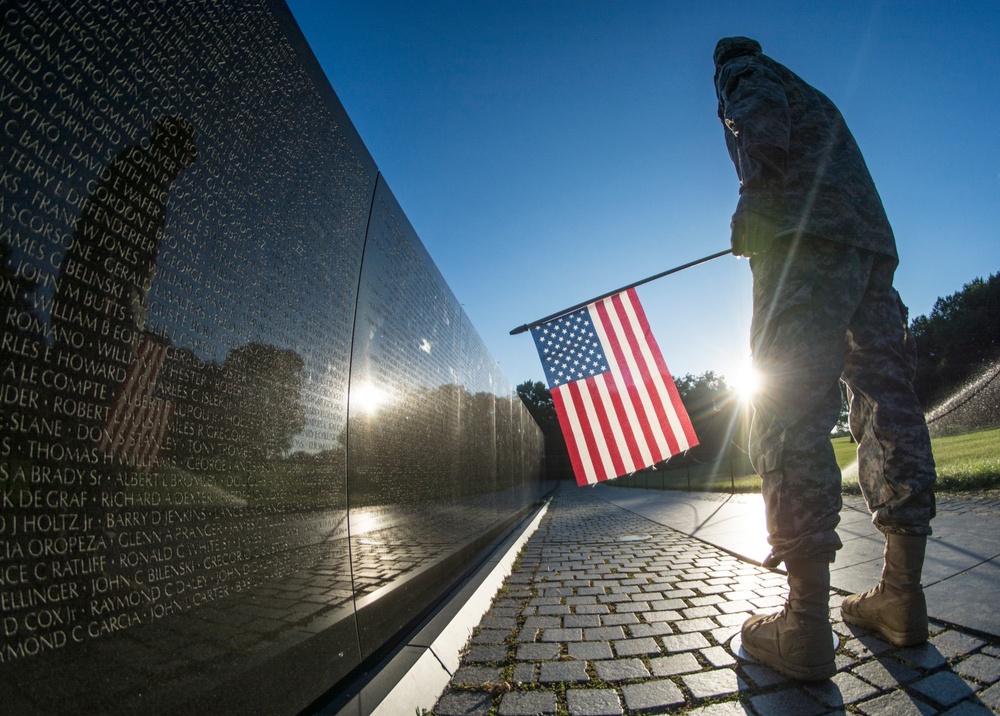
746 383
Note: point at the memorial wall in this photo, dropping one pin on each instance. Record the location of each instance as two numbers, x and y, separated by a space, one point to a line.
247 434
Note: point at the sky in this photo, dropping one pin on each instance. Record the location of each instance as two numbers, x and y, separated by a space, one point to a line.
548 152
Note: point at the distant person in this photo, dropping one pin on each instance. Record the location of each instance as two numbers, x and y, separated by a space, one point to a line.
822 255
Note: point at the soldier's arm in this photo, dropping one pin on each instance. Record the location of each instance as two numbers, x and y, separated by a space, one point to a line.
756 114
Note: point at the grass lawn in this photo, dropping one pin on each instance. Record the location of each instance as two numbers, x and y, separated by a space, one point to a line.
964 462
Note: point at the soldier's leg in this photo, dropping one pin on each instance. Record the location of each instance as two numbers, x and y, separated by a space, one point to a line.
895 464
805 295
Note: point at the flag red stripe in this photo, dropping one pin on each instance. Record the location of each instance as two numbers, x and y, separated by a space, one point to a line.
630 381
587 431
604 421
656 400
621 416
569 434
676 404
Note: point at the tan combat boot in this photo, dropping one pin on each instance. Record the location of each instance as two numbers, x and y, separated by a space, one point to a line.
895 607
798 640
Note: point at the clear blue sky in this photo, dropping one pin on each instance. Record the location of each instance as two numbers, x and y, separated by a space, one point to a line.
547 152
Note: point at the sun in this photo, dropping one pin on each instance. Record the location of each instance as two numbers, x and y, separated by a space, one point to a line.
746 383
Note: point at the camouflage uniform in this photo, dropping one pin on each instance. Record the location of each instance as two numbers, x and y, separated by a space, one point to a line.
824 309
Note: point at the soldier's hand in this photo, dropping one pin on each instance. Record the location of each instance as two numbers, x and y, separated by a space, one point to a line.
752 233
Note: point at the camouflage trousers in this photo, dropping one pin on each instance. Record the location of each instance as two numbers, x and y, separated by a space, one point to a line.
825 312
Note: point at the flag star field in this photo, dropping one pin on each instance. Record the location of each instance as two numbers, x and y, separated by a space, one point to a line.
570 349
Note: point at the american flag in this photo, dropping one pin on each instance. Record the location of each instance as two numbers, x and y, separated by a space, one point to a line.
618 407
137 421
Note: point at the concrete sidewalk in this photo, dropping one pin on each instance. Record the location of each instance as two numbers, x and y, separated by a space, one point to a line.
626 601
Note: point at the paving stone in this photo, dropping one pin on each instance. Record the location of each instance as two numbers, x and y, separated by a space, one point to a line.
886 673
672 665
489 622
486 654
991 697
527 703
865 646
553 610
710 684
955 643
763 676
652 695
655 629
723 635
537 652
698 612
591 650
562 635
693 625
636 647
543 601
611 633
620 670
980 667
738 605
897 703
968 708
490 636
464 703
476 675
925 656
718 657
768 603
537 622
841 690
945 687
668 616
582 620
525 672
728 708
569 671
592 609
501 612
634 607
618 619
593 702
528 634
788 701
684 642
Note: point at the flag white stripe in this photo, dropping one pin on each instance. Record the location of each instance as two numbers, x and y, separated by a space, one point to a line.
620 443
597 436
648 416
574 421
652 369
634 419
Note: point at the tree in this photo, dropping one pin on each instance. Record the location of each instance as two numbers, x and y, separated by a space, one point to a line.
957 339
714 411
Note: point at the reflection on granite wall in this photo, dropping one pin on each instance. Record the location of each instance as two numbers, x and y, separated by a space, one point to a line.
247 433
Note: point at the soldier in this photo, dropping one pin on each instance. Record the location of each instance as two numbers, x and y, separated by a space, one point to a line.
822 255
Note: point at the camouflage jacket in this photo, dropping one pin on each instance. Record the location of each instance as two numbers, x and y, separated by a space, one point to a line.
796 159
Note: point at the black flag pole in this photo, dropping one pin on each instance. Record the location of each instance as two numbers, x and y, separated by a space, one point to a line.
675 269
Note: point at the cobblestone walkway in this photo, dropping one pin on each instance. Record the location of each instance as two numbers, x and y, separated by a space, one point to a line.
608 613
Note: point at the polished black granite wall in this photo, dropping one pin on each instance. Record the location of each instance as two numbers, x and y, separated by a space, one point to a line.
247 433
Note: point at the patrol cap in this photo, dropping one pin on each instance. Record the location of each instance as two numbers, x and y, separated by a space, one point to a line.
729 47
